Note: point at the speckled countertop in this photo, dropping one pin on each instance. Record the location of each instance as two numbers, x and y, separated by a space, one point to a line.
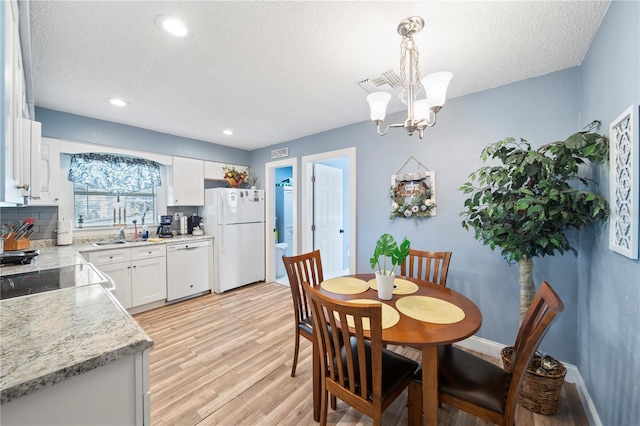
56 256
48 337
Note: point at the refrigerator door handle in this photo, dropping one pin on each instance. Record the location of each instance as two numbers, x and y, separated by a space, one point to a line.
222 211
221 230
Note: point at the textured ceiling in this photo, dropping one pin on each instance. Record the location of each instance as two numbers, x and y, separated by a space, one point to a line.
276 71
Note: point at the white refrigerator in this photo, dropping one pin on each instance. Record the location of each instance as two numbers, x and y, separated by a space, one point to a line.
235 218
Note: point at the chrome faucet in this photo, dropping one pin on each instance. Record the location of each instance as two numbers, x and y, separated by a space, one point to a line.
121 235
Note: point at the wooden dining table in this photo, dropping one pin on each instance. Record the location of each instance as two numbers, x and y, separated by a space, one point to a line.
415 333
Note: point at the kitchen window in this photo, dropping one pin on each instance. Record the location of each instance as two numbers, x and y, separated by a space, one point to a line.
95 207
113 190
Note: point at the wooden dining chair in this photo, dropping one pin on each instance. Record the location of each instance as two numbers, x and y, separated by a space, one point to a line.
480 387
361 373
431 266
302 268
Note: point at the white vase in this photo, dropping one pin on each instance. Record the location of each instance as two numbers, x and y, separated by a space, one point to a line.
384 282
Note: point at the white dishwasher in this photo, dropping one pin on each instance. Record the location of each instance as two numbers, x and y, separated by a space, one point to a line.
189 269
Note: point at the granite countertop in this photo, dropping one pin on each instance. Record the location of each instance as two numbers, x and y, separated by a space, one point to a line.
56 256
79 329
88 247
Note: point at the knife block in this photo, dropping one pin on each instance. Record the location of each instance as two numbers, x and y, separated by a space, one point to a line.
11 244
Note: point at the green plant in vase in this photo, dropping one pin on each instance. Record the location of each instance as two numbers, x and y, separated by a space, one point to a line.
391 253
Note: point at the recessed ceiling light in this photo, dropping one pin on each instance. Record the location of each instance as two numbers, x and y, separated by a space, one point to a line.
172 25
118 102
228 132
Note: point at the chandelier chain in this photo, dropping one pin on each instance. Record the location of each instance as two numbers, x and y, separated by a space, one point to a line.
408 46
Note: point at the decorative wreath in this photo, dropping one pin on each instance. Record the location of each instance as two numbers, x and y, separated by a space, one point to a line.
411 199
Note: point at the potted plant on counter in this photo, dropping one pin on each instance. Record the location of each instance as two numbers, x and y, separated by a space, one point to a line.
392 255
526 204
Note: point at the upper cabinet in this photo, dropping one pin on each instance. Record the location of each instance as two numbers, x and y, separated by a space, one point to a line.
213 170
11 108
186 182
49 167
20 137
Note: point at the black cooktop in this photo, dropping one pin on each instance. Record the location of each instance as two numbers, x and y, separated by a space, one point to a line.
49 279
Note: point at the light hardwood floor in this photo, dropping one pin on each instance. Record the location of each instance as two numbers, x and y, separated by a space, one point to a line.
226 360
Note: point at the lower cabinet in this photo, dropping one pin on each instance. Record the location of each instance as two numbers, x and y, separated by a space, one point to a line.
114 394
139 273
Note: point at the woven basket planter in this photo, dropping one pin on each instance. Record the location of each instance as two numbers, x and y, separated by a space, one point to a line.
540 389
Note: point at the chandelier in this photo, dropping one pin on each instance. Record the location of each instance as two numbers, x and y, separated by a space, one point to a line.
420 113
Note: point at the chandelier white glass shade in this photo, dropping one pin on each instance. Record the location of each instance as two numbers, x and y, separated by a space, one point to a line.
421 113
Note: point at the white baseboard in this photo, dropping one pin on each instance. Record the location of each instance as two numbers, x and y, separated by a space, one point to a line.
491 348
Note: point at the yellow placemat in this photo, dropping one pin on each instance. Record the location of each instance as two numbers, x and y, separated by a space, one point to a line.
345 285
400 286
430 309
390 316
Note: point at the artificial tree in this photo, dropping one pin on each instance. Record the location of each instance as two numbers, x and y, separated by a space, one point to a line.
526 205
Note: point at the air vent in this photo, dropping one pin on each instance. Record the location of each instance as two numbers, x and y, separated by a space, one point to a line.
386 81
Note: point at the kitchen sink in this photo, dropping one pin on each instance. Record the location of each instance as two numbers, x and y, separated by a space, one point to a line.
109 243
114 242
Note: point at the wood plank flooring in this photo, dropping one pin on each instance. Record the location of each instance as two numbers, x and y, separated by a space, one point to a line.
226 360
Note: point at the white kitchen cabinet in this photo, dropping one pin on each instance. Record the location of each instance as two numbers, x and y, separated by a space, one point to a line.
213 170
31 154
20 136
149 275
186 182
117 264
49 166
114 394
139 273
120 273
12 87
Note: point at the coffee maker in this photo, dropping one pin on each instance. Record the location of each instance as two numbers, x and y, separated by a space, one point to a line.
193 223
164 230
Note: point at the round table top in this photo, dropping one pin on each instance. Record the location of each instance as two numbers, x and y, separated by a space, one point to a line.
412 332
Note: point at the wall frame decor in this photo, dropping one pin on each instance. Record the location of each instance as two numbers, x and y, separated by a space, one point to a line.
623 183
413 195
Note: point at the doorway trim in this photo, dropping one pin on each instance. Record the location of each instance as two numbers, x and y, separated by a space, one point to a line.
307 195
270 212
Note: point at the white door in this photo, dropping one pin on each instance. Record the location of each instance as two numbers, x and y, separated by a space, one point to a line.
328 218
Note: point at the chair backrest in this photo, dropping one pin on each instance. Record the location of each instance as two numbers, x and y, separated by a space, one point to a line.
306 267
431 266
546 305
349 377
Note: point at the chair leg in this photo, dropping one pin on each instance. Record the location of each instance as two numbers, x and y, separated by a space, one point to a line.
323 407
414 404
295 354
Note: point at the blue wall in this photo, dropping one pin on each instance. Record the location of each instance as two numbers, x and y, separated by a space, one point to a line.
541 110
56 124
609 299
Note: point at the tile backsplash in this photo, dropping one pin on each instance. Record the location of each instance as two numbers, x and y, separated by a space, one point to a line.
46 219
